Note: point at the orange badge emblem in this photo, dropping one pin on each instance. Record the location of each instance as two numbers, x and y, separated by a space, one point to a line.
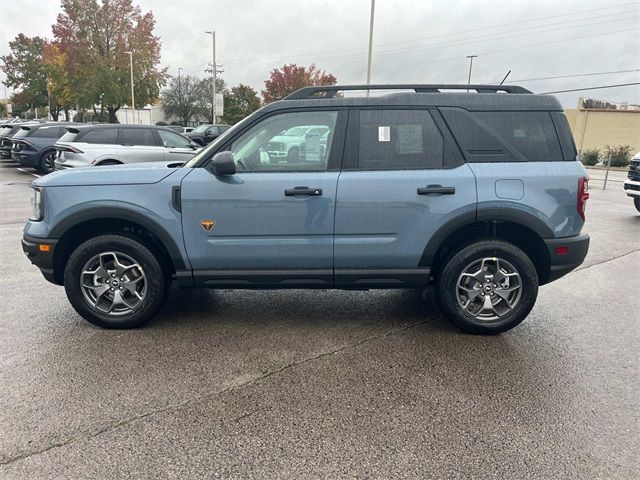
207 224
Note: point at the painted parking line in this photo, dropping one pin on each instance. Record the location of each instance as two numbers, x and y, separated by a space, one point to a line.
30 173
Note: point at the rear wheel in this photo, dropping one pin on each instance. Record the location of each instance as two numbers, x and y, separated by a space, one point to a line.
47 162
636 202
488 287
115 281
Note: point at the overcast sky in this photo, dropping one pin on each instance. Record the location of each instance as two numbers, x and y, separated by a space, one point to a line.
419 41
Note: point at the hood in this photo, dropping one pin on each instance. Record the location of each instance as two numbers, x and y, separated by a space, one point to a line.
131 174
192 134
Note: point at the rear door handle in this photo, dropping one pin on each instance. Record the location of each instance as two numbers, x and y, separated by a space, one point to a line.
436 190
292 192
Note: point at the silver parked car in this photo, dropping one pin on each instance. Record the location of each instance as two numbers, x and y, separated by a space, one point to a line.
98 145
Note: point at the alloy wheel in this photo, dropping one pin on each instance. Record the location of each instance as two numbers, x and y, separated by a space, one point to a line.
489 288
113 283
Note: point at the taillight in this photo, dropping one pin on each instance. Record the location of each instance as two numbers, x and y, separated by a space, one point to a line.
583 195
67 148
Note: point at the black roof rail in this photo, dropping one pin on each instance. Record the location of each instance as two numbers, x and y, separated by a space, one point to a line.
329 91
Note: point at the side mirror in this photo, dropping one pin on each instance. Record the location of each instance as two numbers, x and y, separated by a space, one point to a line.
222 164
194 145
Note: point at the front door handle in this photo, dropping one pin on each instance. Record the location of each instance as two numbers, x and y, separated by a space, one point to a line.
292 192
436 190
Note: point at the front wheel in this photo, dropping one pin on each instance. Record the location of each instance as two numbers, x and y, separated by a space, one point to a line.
636 202
488 287
115 281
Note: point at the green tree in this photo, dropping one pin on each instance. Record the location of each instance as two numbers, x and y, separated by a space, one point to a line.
181 98
95 38
24 71
239 102
286 80
206 96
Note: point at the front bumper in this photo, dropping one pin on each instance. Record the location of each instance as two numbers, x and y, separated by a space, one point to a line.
26 159
40 252
565 254
632 188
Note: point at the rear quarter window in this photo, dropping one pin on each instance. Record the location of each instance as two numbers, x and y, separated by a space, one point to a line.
46 132
505 136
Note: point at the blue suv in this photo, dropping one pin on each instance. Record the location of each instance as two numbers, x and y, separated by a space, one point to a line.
477 195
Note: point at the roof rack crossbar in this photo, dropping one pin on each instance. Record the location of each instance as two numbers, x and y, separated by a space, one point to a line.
330 91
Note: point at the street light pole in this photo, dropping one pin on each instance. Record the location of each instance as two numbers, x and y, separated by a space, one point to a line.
180 97
470 57
373 8
213 75
133 98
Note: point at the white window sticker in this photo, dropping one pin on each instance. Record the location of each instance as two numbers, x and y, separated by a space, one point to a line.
384 134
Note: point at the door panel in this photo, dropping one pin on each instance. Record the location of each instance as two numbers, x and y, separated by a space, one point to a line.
406 179
272 221
139 145
382 221
258 226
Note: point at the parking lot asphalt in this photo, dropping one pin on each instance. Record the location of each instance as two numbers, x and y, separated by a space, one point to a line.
307 384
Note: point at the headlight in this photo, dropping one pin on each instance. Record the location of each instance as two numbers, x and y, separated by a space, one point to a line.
37 207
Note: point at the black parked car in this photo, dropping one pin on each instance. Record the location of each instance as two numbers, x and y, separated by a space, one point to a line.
207 133
32 145
7 131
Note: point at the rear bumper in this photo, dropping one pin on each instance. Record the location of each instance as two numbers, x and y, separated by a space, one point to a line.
565 254
41 259
26 159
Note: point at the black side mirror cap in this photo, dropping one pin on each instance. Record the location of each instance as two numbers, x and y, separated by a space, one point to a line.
222 164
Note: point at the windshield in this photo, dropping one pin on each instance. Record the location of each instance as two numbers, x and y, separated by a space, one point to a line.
201 129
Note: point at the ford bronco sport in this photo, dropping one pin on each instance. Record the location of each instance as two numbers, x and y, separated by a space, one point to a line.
479 194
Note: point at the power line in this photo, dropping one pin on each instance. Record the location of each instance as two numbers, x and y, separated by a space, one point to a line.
593 88
438 45
456 34
575 75
492 52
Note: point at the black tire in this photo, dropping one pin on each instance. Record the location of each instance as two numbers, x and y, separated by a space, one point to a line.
457 270
47 160
106 163
156 280
636 202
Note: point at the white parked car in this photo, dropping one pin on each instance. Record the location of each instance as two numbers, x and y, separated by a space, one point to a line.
98 145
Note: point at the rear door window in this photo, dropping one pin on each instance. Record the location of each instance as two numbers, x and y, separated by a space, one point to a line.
399 139
137 136
104 136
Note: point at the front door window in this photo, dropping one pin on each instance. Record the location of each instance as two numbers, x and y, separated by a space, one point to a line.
288 142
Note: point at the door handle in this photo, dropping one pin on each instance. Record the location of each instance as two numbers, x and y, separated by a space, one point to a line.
292 192
436 190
